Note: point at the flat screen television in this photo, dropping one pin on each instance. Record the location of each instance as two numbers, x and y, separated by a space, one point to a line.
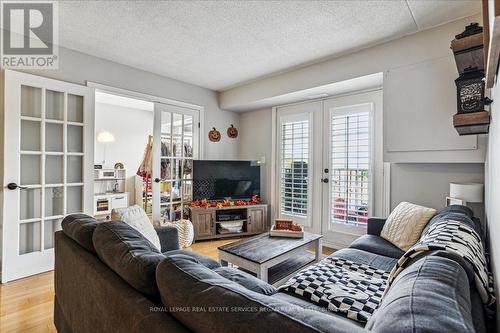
219 180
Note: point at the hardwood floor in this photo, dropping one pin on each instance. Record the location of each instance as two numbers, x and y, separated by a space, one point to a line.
27 305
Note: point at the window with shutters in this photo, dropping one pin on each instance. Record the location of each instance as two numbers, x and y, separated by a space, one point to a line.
351 168
294 166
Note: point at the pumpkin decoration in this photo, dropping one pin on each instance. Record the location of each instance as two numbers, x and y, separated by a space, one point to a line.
232 132
214 135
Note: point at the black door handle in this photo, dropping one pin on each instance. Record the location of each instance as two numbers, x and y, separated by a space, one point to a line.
324 180
13 186
157 180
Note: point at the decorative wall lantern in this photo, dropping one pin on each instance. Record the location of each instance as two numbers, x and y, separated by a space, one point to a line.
471 118
470 91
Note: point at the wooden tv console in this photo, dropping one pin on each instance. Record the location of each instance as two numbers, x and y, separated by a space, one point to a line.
205 220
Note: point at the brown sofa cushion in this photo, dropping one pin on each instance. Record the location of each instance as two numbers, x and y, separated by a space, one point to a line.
129 254
80 228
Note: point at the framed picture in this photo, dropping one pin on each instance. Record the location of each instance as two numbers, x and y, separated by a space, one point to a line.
454 201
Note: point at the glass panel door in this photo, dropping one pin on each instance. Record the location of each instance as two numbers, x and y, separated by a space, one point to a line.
353 157
178 135
298 194
39 154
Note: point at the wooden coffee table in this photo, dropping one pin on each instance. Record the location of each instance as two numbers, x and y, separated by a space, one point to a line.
272 259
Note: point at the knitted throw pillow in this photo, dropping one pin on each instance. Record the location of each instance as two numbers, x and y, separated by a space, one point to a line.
405 224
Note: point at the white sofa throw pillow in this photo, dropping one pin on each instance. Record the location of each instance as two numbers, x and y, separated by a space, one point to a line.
136 217
405 224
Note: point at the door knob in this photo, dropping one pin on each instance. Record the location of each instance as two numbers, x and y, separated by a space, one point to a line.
13 186
157 180
324 180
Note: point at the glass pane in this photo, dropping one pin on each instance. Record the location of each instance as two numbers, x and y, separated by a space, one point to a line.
176 171
53 169
177 135
53 137
188 136
74 169
187 170
176 191
166 122
166 150
30 135
165 191
74 203
75 139
176 214
166 142
350 165
54 105
30 169
29 237
30 203
54 201
294 168
165 213
187 190
166 169
31 102
49 228
75 108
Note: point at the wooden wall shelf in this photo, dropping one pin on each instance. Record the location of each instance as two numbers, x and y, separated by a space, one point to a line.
472 123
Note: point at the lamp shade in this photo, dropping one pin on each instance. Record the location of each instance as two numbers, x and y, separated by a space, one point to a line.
105 137
469 192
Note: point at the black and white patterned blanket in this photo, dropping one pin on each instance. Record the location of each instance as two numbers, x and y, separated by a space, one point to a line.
342 286
356 290
458 238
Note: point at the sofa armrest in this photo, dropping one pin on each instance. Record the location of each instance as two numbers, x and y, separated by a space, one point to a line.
375 225
169 238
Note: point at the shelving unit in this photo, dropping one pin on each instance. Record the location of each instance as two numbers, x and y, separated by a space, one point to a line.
109 192
206 221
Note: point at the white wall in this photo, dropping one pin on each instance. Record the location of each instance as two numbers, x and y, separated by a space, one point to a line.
255 143
428 184
418 114
131 128
492 189
79 68
419 94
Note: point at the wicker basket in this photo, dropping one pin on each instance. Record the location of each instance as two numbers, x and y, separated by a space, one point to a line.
185 230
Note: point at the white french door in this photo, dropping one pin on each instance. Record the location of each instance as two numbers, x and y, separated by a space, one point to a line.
176 143
48 162
330 169
298 140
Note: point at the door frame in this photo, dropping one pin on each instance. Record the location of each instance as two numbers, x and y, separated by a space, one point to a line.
384 181
156 99
11 141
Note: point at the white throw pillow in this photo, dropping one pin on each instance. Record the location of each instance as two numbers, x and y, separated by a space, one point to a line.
405 224
136 217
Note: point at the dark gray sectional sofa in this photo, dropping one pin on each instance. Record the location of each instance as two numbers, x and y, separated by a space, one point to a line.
108 278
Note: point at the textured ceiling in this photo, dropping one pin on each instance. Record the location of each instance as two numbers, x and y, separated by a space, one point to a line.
221 44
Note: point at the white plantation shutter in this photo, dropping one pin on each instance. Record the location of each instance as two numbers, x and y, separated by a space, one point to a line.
351 168
294 151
